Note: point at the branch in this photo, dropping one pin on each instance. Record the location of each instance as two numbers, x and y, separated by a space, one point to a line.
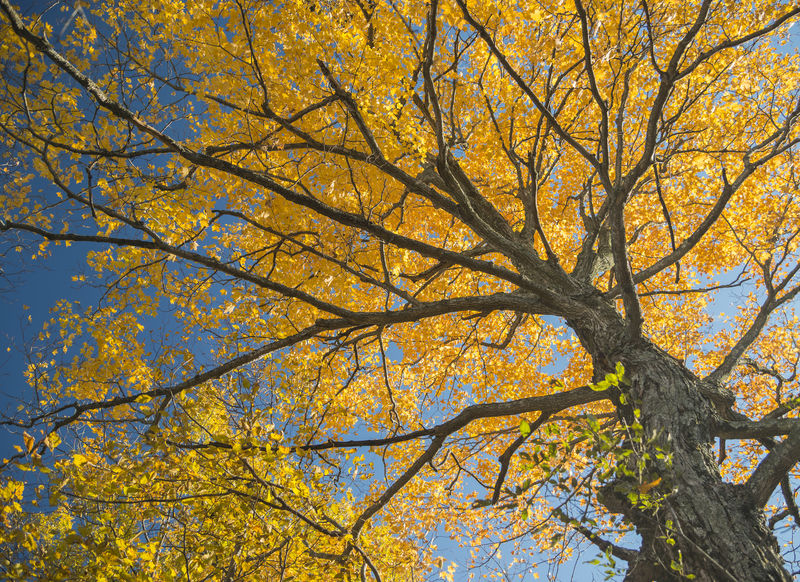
505 458
480 215
342 264
544 404
617 551
352 106
75 410
734 42
736 283
428 85
773 468
205 260
622 266
598 98
729 188
551 119
755 429
668 218
723 371
532 209
519 318
788 496
665 87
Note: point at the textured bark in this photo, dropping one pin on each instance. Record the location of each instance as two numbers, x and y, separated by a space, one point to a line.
716 531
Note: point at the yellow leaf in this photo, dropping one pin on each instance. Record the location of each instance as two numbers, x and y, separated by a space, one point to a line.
645 487
29 441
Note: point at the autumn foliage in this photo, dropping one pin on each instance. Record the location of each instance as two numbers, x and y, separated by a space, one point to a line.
370 274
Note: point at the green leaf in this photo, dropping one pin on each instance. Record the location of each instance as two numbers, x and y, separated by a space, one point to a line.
612 379
524 428
620 370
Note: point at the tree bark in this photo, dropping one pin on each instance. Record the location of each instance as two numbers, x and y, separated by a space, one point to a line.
704 526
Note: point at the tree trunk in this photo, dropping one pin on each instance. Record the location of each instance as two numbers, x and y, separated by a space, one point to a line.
703 527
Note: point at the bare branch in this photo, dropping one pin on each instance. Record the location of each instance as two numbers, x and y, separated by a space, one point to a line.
617 551
773 468
758 429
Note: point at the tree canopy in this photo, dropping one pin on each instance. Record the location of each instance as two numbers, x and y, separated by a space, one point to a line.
372 272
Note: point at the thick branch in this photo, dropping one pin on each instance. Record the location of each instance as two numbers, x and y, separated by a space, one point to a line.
723 371
617 551
773 468
622 267
755 429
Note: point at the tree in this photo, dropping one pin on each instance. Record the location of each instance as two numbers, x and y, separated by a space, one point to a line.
371 271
